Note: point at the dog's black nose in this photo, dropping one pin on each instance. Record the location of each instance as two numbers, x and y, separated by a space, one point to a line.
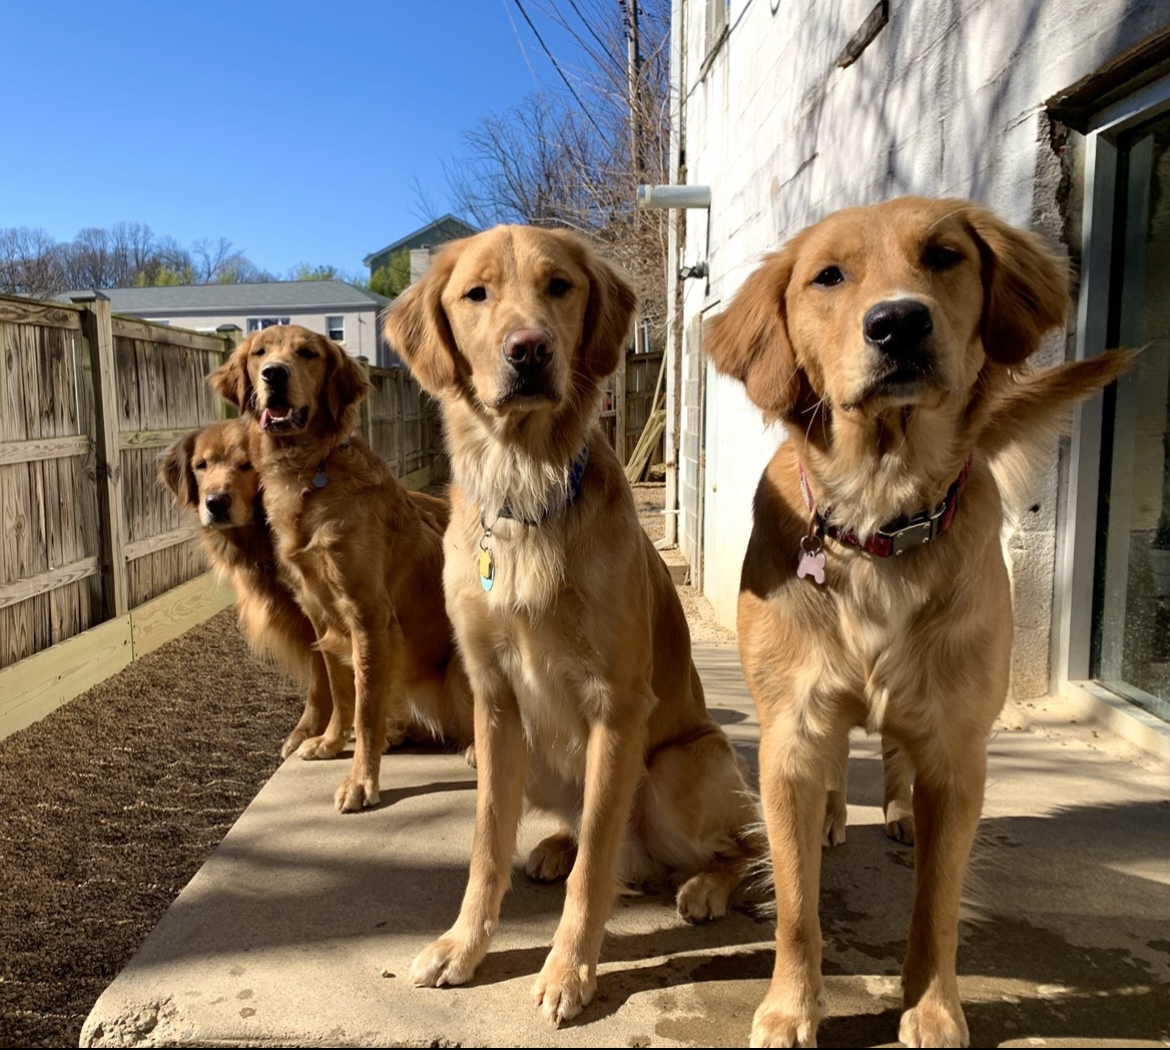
528 348
274 373
218 504
897 325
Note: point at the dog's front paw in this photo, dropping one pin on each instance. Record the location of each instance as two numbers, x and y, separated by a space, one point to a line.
552 858
563 988
836 817
293 742
934 1022
397 733
449 960
900 822
356 794
782 1026
703 897
314 747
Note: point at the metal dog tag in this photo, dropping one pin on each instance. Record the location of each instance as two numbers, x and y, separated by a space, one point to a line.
812 560
487 569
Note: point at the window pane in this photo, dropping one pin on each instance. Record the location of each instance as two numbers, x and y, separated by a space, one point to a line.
1133 600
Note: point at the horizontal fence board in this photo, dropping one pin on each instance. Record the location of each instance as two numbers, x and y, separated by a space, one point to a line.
416 480
152 438
43 582
132 328
30 311
41 683
43 448
178 610
160 541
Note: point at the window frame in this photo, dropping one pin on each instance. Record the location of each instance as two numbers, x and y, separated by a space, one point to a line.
1077 550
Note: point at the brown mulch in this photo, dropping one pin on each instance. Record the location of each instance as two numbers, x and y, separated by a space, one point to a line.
110 806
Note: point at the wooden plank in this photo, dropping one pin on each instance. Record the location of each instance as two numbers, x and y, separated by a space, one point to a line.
178 610
33 311
133 328
43 448
150 438
40 684
158 542
232 337
96 327
403 383
43 582
418 479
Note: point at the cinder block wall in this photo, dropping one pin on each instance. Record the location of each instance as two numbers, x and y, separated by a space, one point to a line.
947 100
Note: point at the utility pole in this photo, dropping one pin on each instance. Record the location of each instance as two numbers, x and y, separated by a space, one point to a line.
634 78
634 75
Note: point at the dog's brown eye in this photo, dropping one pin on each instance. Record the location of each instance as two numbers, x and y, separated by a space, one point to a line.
829 277
306 353
201 465
245 466
939 258
477 294
558 286
258 352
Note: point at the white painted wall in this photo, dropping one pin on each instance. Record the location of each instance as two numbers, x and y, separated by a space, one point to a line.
948 100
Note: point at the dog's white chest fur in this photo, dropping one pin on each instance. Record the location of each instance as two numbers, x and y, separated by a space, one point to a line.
538 645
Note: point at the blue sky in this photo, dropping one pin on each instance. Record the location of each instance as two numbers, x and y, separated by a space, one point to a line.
295 130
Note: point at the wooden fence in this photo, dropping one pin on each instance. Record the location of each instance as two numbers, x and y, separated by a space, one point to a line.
96 564
401 423
629 397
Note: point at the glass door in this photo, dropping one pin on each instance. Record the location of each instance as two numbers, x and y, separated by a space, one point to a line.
1131 595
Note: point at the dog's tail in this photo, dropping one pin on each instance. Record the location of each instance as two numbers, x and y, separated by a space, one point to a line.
1033 407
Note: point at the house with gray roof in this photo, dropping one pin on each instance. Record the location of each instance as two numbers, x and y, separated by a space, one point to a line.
448 228
343 312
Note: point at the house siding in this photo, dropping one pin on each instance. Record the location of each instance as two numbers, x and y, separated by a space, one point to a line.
947 100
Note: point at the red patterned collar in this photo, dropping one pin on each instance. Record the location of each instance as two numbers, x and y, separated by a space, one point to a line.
896 537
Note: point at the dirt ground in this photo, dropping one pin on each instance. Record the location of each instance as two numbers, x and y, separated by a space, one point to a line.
113 802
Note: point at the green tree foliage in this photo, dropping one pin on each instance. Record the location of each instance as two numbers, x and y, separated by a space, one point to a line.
391 280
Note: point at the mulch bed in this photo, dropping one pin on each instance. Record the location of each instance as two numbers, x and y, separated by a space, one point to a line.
110 806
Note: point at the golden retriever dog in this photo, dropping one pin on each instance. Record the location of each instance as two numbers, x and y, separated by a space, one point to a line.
212 472
363 556
587 702
874 591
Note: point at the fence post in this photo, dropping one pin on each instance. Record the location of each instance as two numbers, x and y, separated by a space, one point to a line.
403 391
232 335
365 405
98 332
620 378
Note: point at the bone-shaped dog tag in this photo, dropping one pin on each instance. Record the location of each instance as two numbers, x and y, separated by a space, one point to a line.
812 560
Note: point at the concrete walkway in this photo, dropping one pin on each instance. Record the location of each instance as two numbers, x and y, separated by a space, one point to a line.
300 929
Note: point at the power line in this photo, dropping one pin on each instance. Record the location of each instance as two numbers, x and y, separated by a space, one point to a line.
585 22
557 67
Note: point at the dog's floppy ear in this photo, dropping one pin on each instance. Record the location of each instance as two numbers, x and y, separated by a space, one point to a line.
174 471
231 380
608 316
1025 288
346 383
749 339
416 328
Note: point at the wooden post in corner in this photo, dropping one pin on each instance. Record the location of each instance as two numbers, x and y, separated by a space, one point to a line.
232 335
96 327
364 408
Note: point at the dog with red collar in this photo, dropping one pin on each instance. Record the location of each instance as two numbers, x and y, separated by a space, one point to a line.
888 340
